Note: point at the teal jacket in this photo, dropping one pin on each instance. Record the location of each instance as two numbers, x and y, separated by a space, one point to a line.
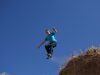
51 37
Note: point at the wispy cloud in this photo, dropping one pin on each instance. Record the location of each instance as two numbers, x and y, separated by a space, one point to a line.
3 73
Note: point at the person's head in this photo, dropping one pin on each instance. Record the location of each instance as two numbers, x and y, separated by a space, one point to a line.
47 31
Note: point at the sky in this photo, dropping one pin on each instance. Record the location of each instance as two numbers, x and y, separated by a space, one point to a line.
22 25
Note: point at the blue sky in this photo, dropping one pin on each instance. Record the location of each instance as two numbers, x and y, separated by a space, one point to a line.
22 25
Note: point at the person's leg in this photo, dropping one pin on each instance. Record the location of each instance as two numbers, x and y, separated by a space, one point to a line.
52 45
48 50
47 47
51 49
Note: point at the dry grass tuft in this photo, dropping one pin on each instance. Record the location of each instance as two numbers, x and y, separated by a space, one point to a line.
87 63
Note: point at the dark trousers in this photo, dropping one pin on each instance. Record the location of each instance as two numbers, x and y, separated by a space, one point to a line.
50 46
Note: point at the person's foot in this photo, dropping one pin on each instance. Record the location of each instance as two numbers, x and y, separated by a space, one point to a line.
49 56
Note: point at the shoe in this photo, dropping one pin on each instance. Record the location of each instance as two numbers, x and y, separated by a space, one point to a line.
49 56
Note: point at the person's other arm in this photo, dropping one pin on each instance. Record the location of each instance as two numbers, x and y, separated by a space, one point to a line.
54 30
41 43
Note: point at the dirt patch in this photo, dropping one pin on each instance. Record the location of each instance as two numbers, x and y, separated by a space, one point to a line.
87 63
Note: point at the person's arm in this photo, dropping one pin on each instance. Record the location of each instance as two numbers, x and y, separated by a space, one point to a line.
54 30
41 43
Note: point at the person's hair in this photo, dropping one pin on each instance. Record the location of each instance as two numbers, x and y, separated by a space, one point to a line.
47 30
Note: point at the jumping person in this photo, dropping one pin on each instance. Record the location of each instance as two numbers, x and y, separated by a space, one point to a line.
52 42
